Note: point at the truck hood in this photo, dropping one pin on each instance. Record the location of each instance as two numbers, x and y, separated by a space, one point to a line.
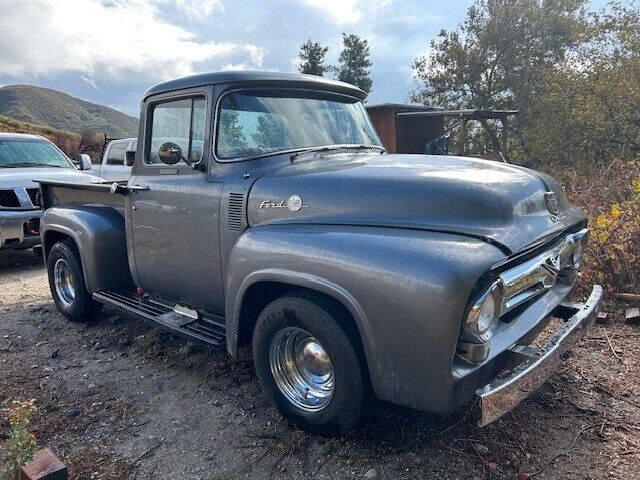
23 177
500 203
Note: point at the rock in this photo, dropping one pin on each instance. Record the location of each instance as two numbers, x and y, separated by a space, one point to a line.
73 413
325 449
632 316
47 369
480 448
188 349
371 473
102 350
55 353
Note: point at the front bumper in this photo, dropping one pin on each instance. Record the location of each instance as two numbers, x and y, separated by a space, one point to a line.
504 393
14 233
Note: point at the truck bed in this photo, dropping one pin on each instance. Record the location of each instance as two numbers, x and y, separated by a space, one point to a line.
57 193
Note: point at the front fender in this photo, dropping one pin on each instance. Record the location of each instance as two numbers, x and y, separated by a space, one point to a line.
406 290
99 233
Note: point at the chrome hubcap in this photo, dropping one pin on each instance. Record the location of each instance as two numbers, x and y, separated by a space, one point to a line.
63 282
302 369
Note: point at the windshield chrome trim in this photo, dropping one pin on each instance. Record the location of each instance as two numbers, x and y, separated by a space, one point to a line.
216 115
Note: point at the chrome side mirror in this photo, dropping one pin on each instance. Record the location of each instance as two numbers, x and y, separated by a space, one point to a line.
84 161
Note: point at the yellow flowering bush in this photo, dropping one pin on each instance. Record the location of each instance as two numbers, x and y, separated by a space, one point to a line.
614 247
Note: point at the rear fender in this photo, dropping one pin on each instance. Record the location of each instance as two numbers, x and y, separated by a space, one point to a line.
99 233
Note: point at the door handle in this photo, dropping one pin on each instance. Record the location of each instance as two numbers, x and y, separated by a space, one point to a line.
124 189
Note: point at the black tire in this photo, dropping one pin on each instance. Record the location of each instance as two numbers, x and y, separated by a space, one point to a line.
329 325
80 308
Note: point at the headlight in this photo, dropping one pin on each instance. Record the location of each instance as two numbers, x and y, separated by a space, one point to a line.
485 313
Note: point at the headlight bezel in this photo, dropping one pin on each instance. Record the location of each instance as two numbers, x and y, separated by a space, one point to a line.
477 327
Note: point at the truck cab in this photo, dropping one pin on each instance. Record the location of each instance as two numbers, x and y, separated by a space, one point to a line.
113 166
262 210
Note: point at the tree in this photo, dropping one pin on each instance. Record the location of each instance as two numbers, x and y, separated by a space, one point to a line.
354 62
312 58
500 57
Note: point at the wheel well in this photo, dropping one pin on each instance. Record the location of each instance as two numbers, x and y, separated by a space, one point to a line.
51 238
260 294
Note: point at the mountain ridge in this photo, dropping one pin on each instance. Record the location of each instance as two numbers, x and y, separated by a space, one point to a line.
59 110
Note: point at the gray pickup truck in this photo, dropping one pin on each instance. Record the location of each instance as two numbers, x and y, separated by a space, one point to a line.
263 210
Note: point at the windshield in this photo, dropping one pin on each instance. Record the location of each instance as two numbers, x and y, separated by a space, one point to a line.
18 153
260 122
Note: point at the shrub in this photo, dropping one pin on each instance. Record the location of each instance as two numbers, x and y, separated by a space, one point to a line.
21 445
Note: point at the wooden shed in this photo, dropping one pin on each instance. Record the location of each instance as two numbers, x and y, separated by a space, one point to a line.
403 133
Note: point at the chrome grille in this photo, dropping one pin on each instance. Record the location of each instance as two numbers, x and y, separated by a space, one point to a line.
541 272
9 199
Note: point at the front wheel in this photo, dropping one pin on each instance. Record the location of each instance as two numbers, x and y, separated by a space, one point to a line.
308 364
66 282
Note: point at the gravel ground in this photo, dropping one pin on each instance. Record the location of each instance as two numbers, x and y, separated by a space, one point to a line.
119 399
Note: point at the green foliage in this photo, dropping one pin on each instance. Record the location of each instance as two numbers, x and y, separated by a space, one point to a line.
312 58
574 76
591 100
498 57
355 62
21 445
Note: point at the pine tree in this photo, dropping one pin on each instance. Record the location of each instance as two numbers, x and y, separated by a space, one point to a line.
354 62
312 58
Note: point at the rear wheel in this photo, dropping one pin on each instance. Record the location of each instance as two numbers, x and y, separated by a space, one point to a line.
308 364
66 282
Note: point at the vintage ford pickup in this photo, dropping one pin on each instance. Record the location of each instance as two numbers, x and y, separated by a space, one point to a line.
262 210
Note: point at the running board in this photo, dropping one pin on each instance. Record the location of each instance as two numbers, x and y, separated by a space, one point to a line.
178 319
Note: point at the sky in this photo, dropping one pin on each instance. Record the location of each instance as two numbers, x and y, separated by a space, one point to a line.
111 51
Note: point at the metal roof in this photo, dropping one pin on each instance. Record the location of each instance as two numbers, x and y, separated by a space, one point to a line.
255 78
401 106
469 113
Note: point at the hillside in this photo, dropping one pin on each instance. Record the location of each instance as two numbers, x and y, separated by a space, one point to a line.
61 111
69 142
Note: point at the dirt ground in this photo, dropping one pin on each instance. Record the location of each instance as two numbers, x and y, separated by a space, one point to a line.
119 399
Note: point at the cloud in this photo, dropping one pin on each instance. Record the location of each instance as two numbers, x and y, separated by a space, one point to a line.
346 12
197 10
112 39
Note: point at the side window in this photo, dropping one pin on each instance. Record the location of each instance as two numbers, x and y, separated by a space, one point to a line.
181 122
116 153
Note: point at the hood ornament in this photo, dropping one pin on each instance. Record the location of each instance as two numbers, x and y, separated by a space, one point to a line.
551 200
294 203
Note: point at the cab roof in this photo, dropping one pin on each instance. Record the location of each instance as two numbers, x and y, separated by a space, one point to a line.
258 79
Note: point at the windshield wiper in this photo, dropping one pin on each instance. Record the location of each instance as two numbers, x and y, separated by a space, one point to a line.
29 164
332 148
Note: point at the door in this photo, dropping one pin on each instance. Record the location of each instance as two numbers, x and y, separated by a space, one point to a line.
113 168
175 222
